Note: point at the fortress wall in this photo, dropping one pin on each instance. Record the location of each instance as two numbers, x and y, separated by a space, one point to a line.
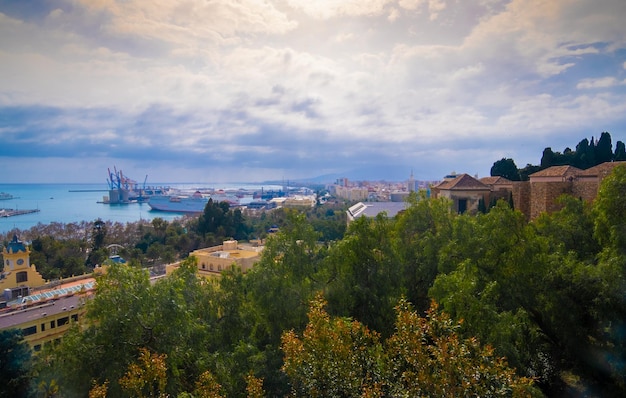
521 197
585 189
545 194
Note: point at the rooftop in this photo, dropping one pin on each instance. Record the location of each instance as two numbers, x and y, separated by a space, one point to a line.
462 182
557 171
372 209
495 180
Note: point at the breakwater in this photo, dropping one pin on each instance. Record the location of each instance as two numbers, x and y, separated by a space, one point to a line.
11 212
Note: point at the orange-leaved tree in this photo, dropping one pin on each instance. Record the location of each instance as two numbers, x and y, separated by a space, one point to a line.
424 357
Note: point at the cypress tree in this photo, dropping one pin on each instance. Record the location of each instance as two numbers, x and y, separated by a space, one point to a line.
620 152
604 149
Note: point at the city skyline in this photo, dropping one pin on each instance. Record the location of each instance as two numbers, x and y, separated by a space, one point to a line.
228 91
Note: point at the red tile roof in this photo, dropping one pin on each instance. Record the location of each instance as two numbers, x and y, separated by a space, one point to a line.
557 171
495 180
602 169
462 182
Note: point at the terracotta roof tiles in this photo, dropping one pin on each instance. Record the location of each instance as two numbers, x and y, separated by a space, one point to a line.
557 171
603 168
495 180
463 182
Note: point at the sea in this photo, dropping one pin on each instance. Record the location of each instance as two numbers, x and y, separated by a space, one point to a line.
69 203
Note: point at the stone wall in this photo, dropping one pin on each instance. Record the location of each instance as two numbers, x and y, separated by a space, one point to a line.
585 189
544 196
521 197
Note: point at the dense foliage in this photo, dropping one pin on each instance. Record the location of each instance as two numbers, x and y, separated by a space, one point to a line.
15 363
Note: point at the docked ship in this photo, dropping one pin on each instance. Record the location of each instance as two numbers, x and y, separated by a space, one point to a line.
178 203
189 204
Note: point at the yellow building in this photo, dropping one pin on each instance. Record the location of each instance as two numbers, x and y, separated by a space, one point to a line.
299 202
43 312
213 260
47 315
18 274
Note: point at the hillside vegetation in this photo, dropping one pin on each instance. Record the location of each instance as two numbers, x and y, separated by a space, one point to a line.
428 303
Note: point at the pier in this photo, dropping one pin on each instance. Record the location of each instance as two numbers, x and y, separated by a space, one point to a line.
11 212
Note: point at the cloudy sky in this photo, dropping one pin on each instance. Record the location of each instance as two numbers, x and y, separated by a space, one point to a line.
251 90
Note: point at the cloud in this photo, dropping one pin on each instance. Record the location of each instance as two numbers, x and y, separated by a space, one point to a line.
300 86
603 82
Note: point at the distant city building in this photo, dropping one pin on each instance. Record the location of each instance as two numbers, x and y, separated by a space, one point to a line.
351 194
412 185
300 202
342 182
261 205
399 196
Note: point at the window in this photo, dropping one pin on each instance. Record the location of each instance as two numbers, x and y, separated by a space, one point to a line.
52 324
37 348
462 206
63 321
43 327
203 266
75 317
29 331
21 276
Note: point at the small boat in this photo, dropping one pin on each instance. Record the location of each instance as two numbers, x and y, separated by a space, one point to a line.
7 196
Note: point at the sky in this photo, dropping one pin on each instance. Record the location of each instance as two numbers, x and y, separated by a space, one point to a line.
252 90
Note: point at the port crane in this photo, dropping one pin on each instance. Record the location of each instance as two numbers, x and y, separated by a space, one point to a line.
117 180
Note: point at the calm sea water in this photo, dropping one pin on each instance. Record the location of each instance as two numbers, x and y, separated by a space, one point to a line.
67 203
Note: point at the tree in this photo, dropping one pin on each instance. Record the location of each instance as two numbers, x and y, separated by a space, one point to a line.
98 252
279 288
420 233
334 358
99 233
528 170
424 357
367 281
583 158
620 152
505 168
428 358
146 377
604 149
548 158
570 229
283 282
15 364
511 281
175 316
207 387
610 211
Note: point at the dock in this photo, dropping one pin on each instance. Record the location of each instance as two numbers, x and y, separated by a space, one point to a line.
11 212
